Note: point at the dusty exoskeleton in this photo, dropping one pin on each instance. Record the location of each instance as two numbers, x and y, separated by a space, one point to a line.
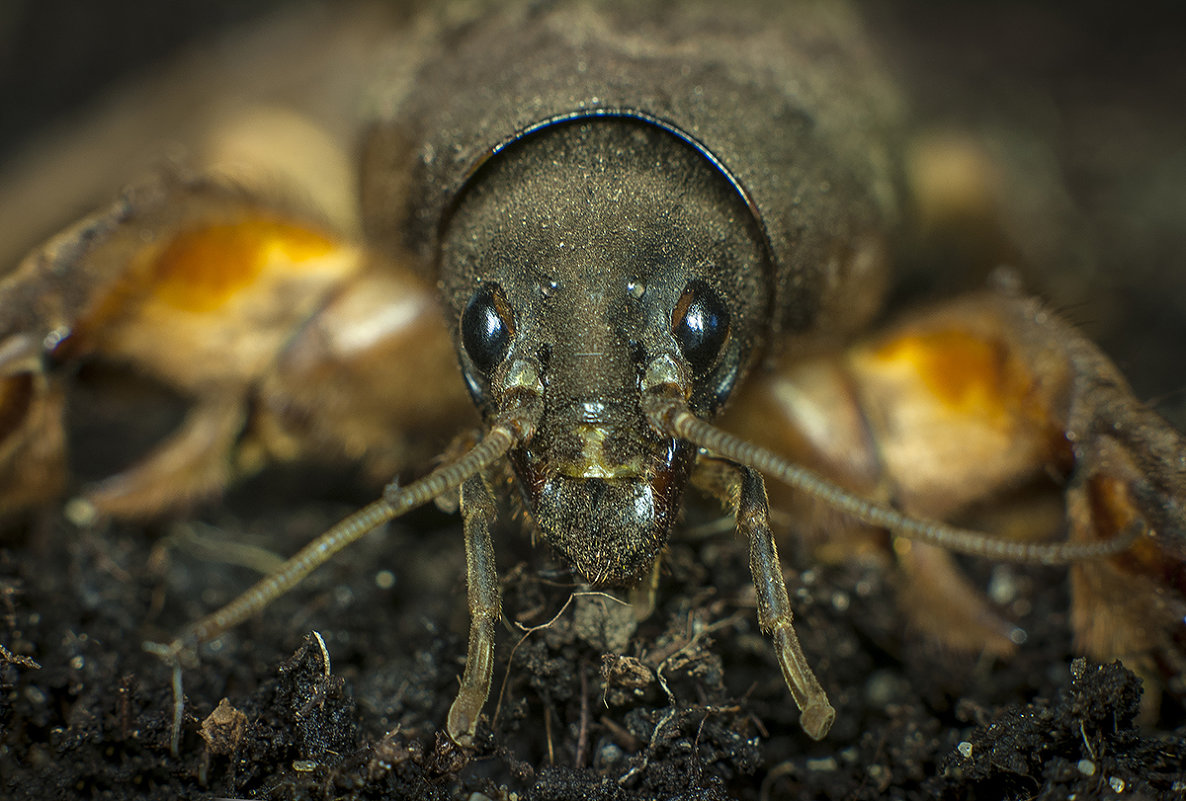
628 216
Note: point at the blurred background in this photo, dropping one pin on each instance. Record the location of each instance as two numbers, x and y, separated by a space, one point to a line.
56 56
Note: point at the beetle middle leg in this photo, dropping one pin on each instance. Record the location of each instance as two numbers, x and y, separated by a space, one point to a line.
743 489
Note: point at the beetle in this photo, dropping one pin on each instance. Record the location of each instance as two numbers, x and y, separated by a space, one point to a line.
618 243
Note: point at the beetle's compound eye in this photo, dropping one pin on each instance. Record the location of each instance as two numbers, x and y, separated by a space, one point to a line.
487 327
700 324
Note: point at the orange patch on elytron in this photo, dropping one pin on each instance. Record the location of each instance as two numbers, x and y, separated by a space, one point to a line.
199 270
967 374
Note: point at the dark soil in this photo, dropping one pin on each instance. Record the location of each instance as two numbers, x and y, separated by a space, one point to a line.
341 688
581 710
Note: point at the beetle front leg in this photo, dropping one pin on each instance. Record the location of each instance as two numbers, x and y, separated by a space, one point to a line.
478 510
744 490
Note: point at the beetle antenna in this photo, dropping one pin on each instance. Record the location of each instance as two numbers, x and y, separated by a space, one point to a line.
502 436
669 413
509 428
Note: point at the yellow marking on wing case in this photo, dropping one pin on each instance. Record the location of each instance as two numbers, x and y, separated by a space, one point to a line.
964 373
200 270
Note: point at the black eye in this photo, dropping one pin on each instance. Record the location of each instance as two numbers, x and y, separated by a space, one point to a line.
700 324
487 327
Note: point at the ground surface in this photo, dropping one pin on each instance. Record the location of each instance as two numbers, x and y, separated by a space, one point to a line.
94 720
691 705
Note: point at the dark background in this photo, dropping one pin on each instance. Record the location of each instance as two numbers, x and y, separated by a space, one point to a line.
56 56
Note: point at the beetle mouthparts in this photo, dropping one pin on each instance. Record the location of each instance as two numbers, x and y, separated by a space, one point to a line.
610 529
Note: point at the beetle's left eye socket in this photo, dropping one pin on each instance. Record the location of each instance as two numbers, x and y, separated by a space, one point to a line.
700 324
487 327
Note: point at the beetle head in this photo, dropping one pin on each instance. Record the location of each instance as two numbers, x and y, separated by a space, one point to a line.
595 252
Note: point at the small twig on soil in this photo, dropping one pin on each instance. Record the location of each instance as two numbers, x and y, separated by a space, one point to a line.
673 708
548 734
1083 734
651 746
786 768
318 697
583 735
8 657
527 632
696 744
695 638
624 738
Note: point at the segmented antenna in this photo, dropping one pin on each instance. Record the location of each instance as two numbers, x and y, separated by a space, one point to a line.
670 414
502 436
